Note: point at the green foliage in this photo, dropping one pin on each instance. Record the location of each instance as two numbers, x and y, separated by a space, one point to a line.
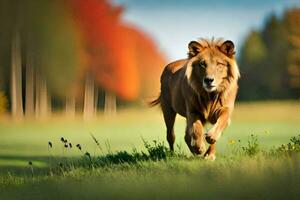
121 157
269 60
292 147
157 151
3 102
252 148
48 34
254 49
53 39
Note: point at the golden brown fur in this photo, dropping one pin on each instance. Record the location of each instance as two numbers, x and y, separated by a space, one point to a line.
203 89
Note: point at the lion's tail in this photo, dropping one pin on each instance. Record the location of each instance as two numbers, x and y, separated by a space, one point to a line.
155 101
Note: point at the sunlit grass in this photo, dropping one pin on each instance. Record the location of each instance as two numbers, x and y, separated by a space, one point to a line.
242 169
273 122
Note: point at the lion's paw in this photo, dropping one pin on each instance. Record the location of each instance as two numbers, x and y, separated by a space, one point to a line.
210 157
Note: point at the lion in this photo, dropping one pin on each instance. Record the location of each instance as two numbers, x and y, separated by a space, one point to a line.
202 88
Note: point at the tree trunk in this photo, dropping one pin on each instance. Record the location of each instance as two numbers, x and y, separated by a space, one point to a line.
70 106
49 103
110 104
29 93
42 102
16 77
44 105
88 109
37 94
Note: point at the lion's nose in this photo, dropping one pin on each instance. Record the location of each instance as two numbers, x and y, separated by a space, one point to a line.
208 80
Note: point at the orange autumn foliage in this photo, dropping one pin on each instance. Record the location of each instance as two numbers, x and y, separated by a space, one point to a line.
150 61
121 58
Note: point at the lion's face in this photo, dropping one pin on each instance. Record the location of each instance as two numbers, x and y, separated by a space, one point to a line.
211 69
211 65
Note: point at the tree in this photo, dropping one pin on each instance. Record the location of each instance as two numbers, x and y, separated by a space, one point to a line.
110 60
149 61
275 38
16 76
10 13
253 54
60 48
269 59
51 45
291 21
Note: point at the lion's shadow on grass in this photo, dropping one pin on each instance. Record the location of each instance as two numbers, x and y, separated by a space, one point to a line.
28 165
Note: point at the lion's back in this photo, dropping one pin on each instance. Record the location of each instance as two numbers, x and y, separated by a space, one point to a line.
171 79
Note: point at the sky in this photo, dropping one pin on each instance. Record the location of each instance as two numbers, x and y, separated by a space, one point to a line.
173 24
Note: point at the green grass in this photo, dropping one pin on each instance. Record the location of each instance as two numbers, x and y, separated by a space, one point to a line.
241 178
232 176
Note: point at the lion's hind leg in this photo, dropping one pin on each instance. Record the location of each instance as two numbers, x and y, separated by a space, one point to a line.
169 117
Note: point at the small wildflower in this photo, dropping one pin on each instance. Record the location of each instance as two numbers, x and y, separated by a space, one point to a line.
50 144
231 142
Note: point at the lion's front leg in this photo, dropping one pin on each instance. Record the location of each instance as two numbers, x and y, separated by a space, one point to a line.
195 135
222 122
210 154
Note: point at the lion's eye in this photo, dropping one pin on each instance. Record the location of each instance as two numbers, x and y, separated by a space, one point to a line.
202 63
221 63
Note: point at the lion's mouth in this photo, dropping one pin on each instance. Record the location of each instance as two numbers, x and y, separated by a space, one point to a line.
209 88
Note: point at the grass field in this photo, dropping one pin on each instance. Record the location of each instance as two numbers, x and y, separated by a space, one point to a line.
231 176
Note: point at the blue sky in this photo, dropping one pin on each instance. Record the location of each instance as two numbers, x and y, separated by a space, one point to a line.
172 24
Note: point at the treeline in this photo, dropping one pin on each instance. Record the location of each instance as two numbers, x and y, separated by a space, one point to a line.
72 55
270 59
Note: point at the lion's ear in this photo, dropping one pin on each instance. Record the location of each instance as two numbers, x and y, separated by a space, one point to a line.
227 48
194 48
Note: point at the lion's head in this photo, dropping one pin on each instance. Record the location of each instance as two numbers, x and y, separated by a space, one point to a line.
211 65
